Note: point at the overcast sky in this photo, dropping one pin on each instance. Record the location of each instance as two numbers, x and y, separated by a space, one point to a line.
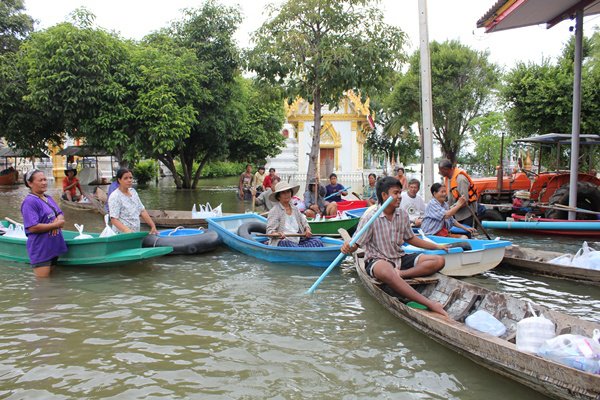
447 20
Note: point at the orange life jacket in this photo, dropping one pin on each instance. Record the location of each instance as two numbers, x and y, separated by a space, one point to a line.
454 185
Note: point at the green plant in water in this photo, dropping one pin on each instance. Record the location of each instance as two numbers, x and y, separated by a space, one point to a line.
144 171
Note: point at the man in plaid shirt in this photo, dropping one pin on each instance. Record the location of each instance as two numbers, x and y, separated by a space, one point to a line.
384 257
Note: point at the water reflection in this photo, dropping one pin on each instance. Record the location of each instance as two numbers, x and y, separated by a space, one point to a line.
223 325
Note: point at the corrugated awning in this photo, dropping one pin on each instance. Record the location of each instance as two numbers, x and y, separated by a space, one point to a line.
83 151
562 138
509 14
8 152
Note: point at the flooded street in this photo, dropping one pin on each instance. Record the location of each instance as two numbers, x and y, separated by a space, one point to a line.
226 326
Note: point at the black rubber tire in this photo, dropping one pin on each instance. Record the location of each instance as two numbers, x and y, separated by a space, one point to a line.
192 244
491 215
245 230
588 197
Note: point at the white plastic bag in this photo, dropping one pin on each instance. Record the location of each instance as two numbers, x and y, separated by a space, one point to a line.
107 231
586 257
15 231
532 332
206 211
485 322
565 259
297 201
576 351
84 200
81 234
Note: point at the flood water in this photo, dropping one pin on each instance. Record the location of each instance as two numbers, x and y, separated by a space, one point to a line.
226 326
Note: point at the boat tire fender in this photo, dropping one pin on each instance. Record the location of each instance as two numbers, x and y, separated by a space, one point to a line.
246 230
186 244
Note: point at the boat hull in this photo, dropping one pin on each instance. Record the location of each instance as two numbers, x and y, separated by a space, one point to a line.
330 227
227 228
536 262
77 206
175 218
108 251
9 178
485 255
497 354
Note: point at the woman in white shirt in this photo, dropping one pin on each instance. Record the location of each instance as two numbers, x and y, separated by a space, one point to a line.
126 207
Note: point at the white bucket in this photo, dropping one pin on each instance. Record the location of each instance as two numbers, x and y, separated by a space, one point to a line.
532 332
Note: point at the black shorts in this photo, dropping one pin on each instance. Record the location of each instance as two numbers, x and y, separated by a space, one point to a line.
47 263
407 261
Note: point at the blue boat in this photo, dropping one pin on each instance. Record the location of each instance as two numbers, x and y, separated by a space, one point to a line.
227 228
469 257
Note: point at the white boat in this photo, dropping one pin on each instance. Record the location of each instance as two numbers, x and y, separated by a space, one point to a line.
468 257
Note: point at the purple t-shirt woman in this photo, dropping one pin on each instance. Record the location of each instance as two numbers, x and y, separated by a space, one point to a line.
42 247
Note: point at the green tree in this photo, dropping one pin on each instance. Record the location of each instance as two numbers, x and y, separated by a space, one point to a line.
486 133
15 25
539 98
462 81
78 78
317 49
262 111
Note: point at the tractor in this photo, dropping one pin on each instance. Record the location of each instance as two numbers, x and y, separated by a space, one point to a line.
544 188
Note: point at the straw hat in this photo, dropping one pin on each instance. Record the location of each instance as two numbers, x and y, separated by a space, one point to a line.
282 187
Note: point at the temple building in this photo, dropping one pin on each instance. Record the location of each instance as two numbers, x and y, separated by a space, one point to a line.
343 133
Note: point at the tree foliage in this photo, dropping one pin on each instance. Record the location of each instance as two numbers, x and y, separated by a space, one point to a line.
15 25
317 49
488 144
462 81
177 96
539 98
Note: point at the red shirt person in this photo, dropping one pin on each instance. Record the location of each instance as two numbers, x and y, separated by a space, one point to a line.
70 185
268 182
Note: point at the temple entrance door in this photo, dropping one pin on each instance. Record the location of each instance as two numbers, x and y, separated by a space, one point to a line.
326 162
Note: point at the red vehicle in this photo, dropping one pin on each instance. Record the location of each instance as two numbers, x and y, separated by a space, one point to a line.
543 188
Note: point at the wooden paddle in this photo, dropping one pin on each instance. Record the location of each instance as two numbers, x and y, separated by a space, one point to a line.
357 195
276 235
478 222
12 221
357 236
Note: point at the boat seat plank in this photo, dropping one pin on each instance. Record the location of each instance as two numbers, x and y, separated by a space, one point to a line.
463 307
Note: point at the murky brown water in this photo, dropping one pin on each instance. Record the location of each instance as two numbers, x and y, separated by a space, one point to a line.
227 326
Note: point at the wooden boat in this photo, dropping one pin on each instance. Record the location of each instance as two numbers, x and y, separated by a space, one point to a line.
536 261
227 228
498 354
9 176
330 226
548 226
95 205
176 218
108 251
482 256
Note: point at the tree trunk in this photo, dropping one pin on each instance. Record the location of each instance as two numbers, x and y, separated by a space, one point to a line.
316 142
170 164
199 171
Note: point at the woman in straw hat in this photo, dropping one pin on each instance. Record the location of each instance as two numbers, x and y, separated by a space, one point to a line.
284 218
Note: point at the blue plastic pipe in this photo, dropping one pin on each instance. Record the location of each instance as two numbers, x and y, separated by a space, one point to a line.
557 226
338 192
355 238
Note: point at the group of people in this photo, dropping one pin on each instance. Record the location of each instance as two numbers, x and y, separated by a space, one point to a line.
43 219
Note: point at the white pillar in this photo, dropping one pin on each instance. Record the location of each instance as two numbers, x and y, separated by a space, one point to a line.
575 126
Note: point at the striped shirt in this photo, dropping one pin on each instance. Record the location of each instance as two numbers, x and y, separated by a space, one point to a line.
434 218
384 238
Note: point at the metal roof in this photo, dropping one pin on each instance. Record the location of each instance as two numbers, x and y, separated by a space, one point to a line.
562 138
509 14
9 152
83 151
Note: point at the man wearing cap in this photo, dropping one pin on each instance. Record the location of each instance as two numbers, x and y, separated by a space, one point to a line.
70 185
285 219
459 184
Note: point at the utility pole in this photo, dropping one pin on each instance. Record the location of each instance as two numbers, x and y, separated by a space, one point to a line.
426 102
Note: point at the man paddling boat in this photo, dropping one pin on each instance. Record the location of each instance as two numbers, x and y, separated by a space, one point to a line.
384 257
